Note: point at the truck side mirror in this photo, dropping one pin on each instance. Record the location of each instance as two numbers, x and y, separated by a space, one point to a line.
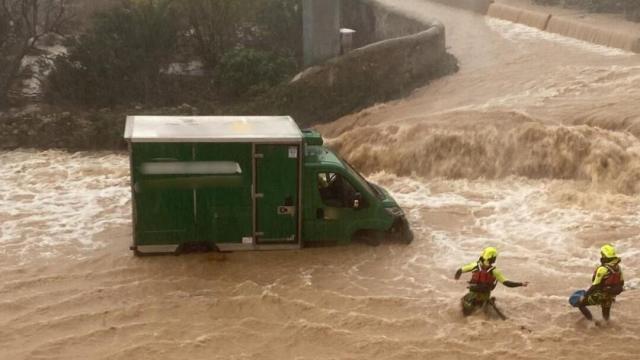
357 200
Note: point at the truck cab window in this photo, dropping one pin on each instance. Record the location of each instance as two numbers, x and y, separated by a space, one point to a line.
335 190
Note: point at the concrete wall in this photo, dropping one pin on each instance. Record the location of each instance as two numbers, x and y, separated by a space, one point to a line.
409 54
375 23
321 30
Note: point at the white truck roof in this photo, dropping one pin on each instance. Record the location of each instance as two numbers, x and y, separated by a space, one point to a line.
270 129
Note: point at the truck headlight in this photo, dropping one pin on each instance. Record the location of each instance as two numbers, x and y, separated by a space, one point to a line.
395 211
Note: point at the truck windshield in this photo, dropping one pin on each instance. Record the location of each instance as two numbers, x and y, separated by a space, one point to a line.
362 181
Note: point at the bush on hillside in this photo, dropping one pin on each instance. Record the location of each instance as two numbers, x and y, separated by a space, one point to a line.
218 26
242 71
279 27
119 59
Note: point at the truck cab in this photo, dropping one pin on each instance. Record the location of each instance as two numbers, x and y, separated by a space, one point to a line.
341 205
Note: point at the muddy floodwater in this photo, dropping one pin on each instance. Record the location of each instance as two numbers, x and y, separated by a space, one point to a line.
532 147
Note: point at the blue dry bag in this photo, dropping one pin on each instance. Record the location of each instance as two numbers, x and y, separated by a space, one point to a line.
574 299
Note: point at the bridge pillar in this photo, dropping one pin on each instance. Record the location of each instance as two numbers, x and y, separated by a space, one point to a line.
321 28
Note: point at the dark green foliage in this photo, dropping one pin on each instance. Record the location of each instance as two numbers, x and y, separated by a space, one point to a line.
280 27
120 58
217 25
248 70
119 61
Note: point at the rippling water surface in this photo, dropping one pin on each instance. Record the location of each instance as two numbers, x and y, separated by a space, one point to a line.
532 147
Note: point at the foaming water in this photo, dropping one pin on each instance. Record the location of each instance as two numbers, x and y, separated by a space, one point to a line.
53 199
554 219
522 34
392 301
495 149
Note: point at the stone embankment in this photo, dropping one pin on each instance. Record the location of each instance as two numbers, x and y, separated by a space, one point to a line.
394 54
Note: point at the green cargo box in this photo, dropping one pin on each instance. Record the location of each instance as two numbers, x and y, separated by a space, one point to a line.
192 182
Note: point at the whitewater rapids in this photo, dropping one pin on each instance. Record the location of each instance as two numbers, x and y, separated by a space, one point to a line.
532 147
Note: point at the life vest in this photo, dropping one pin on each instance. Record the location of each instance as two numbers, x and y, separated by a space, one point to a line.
612 282
482 279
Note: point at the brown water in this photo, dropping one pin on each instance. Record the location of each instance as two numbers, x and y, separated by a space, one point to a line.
532 147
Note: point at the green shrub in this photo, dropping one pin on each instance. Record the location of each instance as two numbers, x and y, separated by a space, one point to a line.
242 71
279 24
119 59
216 26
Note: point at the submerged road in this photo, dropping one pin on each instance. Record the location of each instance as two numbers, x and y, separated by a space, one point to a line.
531 147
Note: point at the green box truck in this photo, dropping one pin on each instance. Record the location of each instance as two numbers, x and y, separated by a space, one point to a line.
247 183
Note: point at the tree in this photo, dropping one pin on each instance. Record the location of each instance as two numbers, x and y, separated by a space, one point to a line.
242 70
22 24
218 26
280 27
120 58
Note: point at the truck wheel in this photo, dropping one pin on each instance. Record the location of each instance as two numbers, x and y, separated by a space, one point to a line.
401 232
407 237
178 251
371 238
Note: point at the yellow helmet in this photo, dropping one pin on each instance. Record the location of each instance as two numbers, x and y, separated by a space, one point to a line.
489 253
608 251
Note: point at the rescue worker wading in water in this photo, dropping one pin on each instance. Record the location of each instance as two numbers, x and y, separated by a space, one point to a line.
484 278
607 282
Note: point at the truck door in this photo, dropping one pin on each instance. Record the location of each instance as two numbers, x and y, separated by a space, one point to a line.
335 214
277 184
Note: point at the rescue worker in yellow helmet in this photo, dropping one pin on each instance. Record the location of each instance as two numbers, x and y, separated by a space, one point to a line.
607 283
484 278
